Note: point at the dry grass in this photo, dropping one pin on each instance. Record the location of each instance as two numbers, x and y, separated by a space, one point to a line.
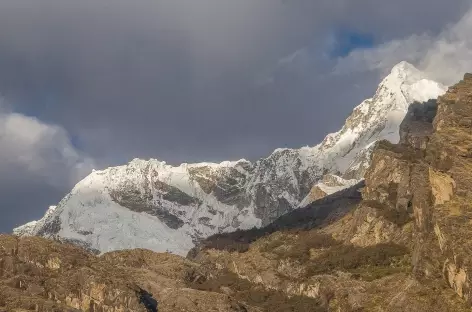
297 245
247 294
377 260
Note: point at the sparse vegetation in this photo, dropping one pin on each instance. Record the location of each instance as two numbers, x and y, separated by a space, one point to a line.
367 263
300 245
248 294
273 245
371 262
373 273
398 217
233 242
401 151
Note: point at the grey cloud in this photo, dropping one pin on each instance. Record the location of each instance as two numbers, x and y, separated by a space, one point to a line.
451 53
180 80
25 199
41 149
445 56
38 164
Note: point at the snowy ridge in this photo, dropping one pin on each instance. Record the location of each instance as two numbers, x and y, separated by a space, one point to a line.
150 204
28 228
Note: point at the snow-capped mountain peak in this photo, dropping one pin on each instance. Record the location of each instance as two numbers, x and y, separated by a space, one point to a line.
150 204
403 70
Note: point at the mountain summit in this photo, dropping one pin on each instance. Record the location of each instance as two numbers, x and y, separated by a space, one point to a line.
399 241
150 204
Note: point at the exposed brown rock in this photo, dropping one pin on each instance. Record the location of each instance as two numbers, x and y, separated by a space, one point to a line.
316 193
41 275
415 212
417 127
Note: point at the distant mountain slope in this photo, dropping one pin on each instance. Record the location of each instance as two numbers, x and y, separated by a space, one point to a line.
149 204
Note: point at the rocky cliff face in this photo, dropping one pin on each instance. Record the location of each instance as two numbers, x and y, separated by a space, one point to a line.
404 247
427 181
150 204
41 275
445 223
46 276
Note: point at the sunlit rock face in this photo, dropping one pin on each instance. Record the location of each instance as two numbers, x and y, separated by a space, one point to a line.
38 274
403 245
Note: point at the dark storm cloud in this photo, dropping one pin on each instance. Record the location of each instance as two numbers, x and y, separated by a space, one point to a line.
180 80
24 198
152 78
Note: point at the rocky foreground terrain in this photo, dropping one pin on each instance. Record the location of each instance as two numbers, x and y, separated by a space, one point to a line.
400 241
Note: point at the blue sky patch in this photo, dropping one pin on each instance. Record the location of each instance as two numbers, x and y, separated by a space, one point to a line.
346 41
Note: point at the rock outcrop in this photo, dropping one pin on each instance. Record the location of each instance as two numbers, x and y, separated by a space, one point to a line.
427 180
404 247
41 275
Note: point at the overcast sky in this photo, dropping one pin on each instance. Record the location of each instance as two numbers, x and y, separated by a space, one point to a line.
93 83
